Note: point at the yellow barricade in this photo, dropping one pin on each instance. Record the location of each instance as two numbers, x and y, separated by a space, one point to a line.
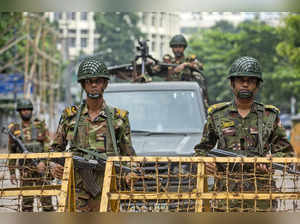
33 191
181 184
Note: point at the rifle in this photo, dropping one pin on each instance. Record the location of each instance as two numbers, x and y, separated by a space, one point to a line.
20 144
223 153
86 169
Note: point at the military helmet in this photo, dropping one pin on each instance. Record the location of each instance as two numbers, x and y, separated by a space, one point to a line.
178 40
24 104
245 66
91 67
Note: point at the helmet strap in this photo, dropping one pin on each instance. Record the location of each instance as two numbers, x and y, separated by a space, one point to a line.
245 94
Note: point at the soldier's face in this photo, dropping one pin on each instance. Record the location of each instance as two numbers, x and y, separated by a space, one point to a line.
26 114
244 87
178 50
95 86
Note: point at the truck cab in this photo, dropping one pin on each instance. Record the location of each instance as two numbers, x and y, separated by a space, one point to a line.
166 118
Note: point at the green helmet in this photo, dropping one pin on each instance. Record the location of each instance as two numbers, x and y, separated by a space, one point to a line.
91 67
178 40
246 66
24 104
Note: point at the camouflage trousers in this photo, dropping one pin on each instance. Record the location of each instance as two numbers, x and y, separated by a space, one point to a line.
237 183
29 178
85 201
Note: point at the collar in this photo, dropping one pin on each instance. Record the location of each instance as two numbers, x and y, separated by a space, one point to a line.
254 107
101 114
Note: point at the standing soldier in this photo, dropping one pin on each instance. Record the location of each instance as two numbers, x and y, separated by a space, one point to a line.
244 125
92 127
35 136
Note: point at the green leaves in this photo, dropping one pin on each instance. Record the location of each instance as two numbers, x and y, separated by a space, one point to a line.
276 48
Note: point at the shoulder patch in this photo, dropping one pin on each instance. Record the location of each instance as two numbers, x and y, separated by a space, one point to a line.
217 107
121 113
273 108
11 125
71 111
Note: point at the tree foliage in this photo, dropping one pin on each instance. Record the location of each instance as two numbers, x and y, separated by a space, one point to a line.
118 33
276 48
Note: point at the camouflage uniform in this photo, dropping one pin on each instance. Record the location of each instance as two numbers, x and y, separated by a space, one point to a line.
93 135
259 133
36 139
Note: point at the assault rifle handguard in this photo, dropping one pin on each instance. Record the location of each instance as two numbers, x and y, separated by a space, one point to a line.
18 142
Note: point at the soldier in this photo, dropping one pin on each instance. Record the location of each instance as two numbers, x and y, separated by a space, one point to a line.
188 69
100 128
35 136
244 125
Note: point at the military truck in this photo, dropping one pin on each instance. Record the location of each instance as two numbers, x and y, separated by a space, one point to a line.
166 118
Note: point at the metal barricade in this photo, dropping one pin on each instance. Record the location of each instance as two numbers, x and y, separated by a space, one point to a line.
180 184
34 191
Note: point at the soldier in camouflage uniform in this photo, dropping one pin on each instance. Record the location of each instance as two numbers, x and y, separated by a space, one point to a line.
188 69
93 132
244 125
35 136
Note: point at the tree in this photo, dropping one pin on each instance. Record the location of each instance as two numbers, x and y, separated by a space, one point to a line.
118 34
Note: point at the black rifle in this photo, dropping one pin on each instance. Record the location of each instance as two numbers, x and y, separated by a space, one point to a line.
223 153
19 143
87 169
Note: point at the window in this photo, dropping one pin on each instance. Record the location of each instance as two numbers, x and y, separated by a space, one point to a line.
83 15
153 19
73 17
72 42
57 15
161 19
153 45
83 42
71 31
84 31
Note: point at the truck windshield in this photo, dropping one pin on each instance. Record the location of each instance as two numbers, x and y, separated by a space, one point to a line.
160 111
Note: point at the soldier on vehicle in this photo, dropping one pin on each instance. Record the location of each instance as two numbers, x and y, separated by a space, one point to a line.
188 69
35 137
244 125
92 127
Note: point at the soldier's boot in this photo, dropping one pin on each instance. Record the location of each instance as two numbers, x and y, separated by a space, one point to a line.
47 204
27 204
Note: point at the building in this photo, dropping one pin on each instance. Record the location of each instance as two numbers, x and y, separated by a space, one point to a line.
78 34
159 28
77 31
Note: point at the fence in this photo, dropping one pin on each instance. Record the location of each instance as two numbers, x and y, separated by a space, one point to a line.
33 191
180 184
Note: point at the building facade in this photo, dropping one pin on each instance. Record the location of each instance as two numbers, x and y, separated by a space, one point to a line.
78 31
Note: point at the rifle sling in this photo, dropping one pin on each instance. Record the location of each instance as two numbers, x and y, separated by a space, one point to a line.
111 129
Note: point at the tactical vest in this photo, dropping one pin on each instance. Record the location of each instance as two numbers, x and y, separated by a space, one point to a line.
264 124
110 139
33 145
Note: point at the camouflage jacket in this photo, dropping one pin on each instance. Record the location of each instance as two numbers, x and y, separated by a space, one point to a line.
35 137
186 74
224 122
93 134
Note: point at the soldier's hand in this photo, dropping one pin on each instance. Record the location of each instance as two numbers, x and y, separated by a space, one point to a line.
13 179
131 177
180 67
57 170
41 167
263 167
210 168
